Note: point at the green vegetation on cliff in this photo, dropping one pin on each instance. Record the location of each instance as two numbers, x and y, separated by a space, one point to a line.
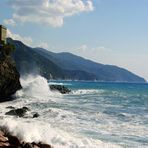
9 76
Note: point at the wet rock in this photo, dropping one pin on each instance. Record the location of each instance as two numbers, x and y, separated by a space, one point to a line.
62 89
13 140
41 145
36 115
8 140
35 145
11 113
20 112
28 145
26 108
10 107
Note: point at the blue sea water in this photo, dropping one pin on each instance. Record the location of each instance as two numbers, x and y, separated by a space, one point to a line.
112 112
93 115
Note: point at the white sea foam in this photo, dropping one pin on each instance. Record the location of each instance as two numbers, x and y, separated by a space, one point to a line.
35 86
41 131
87 91
60 83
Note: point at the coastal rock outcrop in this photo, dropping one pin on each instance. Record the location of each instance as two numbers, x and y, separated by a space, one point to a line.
62 89
23 112
8 140
9 77
20 112
35 115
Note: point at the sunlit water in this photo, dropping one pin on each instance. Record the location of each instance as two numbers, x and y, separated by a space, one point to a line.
93 115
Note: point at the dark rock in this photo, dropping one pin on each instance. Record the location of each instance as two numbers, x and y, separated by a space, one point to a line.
62 89
9 78
17 112
42 145
11 113
27 145
20 112
35 145
36 115
13 140
10 107
26 108
8 140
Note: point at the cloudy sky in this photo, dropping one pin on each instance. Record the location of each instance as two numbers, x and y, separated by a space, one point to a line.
107 31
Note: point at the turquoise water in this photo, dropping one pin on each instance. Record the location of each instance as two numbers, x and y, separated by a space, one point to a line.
114 112
93 115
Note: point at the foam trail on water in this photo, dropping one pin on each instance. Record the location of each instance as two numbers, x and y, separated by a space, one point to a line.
87 91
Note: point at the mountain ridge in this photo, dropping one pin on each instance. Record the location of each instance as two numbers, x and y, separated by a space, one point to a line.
99 66
68 66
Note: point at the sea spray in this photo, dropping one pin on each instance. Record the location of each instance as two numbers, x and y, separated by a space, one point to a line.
36 86
32 130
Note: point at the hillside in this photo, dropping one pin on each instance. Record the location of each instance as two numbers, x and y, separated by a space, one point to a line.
102 72
66 65
28 61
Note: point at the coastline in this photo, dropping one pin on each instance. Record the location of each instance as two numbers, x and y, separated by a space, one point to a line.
90 107
9 140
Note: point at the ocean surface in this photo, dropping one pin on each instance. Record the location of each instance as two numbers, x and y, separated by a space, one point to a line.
93 115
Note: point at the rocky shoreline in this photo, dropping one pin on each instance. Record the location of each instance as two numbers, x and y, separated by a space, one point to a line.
9 141
9 84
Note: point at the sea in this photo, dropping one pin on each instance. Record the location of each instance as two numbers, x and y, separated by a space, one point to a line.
93 115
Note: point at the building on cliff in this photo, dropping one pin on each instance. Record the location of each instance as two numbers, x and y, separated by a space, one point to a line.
3 34
3 38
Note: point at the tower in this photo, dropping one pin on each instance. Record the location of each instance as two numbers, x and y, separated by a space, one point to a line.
3 34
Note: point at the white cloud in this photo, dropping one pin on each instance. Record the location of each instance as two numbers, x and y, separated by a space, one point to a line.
10 22
25 40
50 12
87 51
43 45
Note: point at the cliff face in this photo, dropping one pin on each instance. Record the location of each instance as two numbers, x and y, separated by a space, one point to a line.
9 78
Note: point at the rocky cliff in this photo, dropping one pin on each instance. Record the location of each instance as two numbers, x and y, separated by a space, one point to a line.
9 76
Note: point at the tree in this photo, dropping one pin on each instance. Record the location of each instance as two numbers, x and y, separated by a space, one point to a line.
6 49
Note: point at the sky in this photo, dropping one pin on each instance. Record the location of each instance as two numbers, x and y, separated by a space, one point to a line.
111 32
